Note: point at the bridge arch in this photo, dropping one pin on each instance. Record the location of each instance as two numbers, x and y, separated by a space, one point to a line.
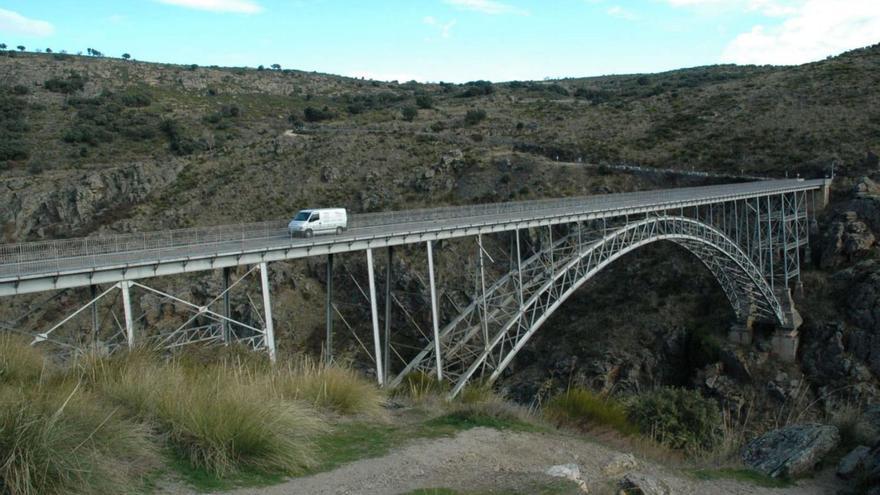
574 262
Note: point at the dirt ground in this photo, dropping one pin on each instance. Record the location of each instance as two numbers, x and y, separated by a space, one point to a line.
489 460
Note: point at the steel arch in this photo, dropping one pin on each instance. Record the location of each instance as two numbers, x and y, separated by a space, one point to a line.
519 310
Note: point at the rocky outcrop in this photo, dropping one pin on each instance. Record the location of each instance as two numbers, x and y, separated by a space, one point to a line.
853 462
642 484
846 239
71 203
790 451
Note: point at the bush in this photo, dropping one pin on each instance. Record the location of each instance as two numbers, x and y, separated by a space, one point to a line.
61 440
581 408
136 99
409 113
420 386
424 101
474 117
20 90
311 114
477 88
73 83
678 418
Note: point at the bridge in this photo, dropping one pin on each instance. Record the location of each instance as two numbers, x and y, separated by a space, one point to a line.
750 236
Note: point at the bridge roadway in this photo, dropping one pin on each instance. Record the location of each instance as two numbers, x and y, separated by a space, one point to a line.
48 265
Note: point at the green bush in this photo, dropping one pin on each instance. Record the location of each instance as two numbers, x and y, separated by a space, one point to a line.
678 418
474 117
71 84
581 408
311 114
409 113
424 101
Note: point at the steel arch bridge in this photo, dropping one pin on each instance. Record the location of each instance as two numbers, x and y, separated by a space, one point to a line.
750 236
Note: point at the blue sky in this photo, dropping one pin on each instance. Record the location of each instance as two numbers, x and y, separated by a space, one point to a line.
449 40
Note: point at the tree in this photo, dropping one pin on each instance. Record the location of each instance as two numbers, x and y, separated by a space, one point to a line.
276 66
424 101
48 50
89 51
261 68
410 113
2 46
20 48
126 56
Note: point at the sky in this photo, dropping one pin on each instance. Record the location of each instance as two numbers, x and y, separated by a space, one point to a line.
449 40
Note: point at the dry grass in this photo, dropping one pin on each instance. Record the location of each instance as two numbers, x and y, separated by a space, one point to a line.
334 388
583 409
20 362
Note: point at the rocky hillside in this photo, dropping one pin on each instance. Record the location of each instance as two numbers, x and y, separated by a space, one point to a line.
91 143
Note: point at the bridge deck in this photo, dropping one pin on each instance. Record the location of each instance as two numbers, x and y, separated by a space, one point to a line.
33 267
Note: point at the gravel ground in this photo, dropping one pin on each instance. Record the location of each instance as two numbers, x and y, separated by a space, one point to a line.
488 459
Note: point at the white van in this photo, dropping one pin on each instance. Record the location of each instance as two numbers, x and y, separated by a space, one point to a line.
307 223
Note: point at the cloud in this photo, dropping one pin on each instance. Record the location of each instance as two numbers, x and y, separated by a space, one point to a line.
621 13
491 7
817 29
13 22
445 29
234 6
771 8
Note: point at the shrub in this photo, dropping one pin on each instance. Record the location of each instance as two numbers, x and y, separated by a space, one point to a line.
678 418
61 440
474 117
581 408
136 99
20 90
409 113
71 84
19 361
311 114
424 101
477 88
420 386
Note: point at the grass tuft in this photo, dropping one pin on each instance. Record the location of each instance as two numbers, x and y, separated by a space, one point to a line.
330 387
581 408
62 440
19 361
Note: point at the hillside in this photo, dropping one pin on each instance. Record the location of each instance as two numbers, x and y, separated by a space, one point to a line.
134 145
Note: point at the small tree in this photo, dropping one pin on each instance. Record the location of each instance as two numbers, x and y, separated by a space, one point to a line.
89 51
276 66
126 56
48 50
410 113
20 48
261 68
2 46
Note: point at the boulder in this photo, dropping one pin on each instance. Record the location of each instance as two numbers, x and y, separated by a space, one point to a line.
853 462
642 484
620 464
790 451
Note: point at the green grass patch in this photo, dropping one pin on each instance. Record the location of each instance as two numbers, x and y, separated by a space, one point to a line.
582 408
204 481
466 419
743 475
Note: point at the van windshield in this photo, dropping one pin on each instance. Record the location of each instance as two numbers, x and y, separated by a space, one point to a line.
302 216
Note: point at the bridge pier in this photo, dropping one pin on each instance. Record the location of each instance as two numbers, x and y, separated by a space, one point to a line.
741 332
125 287
786 337
269 334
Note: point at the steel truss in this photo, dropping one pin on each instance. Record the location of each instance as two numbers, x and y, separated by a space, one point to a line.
752 254
202 324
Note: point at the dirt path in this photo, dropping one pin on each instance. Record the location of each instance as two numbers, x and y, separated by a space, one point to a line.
488 459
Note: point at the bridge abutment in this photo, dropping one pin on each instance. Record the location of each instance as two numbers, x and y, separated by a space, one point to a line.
786 337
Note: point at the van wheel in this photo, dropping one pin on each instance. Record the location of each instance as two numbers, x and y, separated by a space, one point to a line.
338 230
309 233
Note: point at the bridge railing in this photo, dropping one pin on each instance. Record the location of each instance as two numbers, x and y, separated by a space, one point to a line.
48 253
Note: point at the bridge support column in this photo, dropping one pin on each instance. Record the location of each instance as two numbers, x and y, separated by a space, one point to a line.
377 343
434 318
741 331
787 337
328 339
387 340
125 287
269 334
93 290
227 309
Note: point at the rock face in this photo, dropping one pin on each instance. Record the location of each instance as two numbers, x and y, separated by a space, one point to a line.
70 202
846 239
792 450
